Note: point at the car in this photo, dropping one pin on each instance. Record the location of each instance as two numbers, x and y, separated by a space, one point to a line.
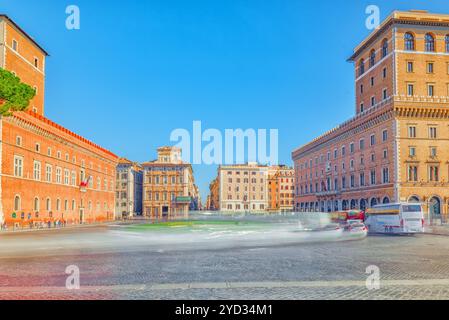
356 228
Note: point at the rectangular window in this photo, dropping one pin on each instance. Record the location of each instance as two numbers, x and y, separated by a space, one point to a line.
412 152
66 177
48 172
362 144
410 90
433 152
433 173
58 175
413 173
37 170
431 90
384 135
430 67
15 45
73 178
432 132
373 177
384 73
18 166
385 175
412 132
372 140
385 94
351 147
373 101
362 179
409 66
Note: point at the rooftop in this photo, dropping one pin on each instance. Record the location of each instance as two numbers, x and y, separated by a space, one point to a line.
413 17
4 16
26 114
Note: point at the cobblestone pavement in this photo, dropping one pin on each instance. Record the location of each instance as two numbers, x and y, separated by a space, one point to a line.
410 268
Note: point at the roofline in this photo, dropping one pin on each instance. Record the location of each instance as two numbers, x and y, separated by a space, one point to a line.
397 16
25 33
63 130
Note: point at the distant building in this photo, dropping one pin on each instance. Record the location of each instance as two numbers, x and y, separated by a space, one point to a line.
129 188
281 189
214 195
169 188
243 188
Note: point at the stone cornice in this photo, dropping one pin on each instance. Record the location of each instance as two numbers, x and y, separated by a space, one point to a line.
349 128
33 127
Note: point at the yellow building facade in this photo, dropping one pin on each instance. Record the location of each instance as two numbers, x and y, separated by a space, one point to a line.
169 189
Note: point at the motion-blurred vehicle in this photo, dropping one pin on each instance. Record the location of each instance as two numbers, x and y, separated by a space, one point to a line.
356 228
343 217
396 218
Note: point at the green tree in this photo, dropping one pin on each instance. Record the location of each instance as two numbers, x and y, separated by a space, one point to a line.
16 95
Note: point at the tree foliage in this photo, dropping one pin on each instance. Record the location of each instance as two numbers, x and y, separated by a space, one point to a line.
16 95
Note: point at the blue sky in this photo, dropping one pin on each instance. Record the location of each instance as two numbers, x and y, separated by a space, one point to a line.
139 69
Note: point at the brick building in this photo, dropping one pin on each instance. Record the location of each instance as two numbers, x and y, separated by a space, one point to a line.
396 147
281 189
48 173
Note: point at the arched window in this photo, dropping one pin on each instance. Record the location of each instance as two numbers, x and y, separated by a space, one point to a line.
409 41
48 204
73 205
58 205
361 67
414 199
36 204
362 204
384 48
430 43
372 58
447 43
386 200
17 203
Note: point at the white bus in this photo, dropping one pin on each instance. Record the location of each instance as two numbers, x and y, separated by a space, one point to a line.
396 218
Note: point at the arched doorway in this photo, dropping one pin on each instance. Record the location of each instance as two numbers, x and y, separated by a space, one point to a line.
435 208
353 204
414 199
336 205
363 204
373 202
344 205
386 200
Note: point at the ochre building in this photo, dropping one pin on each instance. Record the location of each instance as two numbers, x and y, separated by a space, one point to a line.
281 189
396 147
169 188
48 173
